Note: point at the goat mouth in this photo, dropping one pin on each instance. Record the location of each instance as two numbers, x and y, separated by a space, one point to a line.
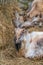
18 46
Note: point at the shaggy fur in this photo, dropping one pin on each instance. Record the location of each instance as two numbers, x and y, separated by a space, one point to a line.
31 44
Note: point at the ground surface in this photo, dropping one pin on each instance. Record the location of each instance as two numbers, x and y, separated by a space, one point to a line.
7 57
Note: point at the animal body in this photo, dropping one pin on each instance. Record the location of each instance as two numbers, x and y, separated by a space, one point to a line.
31 44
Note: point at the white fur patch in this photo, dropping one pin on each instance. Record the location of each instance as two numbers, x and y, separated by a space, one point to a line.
32 49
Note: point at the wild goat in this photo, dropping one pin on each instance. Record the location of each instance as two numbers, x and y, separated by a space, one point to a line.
29 45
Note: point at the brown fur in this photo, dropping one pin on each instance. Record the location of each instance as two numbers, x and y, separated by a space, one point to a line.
37 8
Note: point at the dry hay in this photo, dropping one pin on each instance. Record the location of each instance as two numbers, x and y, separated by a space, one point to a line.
7 50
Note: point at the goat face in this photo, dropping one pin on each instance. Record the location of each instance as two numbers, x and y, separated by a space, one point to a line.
18 38
31 45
